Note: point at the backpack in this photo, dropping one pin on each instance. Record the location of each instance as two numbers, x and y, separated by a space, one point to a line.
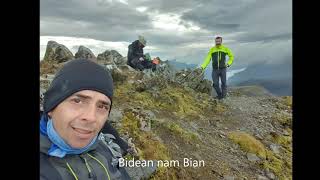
115 149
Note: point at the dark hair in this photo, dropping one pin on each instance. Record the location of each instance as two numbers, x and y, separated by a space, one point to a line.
219 37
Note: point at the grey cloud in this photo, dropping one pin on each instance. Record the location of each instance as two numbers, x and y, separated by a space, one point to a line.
255 37
266 25
263 16
104 22
168 6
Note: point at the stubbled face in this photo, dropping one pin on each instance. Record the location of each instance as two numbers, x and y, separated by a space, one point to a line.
218 41
80 117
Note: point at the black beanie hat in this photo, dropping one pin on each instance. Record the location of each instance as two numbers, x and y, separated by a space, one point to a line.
77 75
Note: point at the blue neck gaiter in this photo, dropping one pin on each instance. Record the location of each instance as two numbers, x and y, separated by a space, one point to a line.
58 147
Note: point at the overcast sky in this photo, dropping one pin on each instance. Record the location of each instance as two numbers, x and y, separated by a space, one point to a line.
255 30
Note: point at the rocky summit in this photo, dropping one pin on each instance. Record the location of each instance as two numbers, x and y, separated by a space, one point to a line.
57 53
172 115
85 53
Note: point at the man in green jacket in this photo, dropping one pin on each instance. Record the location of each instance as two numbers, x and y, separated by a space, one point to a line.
218 55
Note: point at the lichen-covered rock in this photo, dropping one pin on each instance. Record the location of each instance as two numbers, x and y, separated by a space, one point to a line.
85 53
57 53
111 57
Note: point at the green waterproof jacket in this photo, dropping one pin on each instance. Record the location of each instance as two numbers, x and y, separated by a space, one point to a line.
218 56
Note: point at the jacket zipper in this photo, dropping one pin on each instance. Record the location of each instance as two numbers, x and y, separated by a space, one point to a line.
91 173
218 58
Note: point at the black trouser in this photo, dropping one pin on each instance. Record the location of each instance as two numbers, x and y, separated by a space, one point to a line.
136 64
220 74
141 65
148 64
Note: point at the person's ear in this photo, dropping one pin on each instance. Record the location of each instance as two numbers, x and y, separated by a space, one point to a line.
49 114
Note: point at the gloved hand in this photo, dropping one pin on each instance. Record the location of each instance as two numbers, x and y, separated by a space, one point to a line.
228 65
141 59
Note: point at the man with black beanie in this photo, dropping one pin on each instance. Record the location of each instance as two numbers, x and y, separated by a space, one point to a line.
75 109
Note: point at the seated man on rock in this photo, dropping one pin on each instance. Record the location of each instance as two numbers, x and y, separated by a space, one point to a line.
136 58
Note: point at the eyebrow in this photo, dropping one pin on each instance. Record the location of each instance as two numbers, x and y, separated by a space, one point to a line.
88 97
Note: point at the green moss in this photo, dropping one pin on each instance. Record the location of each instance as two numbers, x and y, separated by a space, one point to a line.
180 132
285 141
144 99
248 143
273 163
278 166
179 101
219 108
165 173
149 148
288 100
285 103
283 119
172 99
121 92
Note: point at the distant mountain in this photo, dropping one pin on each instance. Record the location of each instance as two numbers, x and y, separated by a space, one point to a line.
180 65
208 72
282 87
276 78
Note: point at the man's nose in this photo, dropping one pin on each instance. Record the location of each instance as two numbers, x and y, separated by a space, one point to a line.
89 113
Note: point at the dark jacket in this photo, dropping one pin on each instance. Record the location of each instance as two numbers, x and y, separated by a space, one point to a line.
134 52
96 163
